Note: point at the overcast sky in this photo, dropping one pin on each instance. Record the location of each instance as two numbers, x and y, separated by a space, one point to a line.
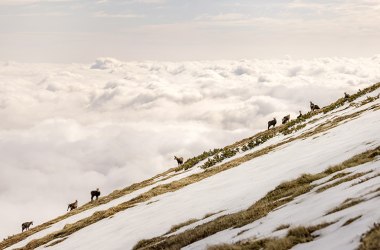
82 30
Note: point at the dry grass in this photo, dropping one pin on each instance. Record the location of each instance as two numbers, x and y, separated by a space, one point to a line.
56 242
371 239
337 176
345 205
211 214
178 226
374 191
294 236
349 221
151 202
281 195
343 180
281 227
241 232
366 179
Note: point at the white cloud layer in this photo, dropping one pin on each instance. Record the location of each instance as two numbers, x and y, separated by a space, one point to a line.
67 129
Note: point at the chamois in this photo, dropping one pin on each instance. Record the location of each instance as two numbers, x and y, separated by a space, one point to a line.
285 119
95 193
179 160
272 123
313 106
300 115
73 205
25 226
346 96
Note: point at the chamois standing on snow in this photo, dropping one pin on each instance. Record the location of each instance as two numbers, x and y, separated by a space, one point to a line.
179 160
272 123
73 205
285 119
313 106
95 193
25 226
300 115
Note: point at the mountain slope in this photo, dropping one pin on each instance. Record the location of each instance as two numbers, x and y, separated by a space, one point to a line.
241 194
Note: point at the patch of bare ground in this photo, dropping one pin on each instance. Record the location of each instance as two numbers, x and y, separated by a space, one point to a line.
259 209
354 201
366 179
241 232
180 225
295 236
191 221
281 227
349 221
336 176
342 180
56 242
345 204
151 202
374 191
371 239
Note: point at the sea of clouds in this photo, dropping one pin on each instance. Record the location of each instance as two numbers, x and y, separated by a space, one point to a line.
68 129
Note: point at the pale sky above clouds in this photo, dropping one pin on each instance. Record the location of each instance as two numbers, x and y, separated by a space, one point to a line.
82 30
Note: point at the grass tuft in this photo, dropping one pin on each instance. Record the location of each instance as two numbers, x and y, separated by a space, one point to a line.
281 227
344 205
178 226
336 183
349 221
371 239
297 235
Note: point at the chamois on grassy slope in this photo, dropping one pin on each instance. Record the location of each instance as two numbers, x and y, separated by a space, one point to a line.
313 106
73 205
272 123
95 193
285 119
299 116
346 96
25 226
179 160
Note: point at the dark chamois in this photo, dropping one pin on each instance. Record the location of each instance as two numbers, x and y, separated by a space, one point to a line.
346 96
179 160
313 106
25 226
272 123
300 115
285 119
73 205
95 193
